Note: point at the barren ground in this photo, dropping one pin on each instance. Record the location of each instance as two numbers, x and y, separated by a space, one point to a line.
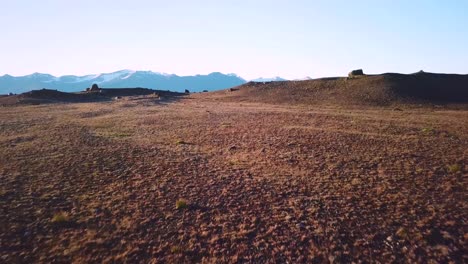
263 183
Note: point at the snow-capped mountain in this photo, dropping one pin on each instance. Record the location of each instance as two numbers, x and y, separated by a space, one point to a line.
304 79
119 79
274 79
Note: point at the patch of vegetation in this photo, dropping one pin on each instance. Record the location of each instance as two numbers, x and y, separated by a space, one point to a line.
176 250
180 142
103 124
234 162
181 204
402 232
454 168
46 196
120 135
3 193
355 181
428 130
60 218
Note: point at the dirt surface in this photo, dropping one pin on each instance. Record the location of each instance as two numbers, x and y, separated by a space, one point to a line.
106 182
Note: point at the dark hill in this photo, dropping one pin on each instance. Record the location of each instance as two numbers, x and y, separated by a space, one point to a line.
54 96
111 92
381 90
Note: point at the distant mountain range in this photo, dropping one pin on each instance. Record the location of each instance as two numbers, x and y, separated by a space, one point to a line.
120 79
275 79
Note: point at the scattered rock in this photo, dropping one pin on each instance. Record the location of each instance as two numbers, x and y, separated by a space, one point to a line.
232 148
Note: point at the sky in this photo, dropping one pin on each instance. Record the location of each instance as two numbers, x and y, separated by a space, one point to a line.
262 38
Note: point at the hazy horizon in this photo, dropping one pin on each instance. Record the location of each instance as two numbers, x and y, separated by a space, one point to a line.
344 74
291 39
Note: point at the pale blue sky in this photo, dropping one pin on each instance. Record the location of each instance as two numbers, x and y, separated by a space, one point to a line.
290 38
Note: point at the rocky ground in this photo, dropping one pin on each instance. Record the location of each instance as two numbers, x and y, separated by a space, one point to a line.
199 180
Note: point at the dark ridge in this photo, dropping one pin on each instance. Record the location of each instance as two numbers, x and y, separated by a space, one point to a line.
436 87
135 92
53 96
380 90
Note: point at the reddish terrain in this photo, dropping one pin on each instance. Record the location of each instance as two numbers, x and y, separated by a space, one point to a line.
297 183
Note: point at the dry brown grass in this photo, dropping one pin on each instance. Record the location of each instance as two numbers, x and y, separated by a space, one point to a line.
267 182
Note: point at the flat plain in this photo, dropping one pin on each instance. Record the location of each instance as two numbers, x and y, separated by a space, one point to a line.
207 179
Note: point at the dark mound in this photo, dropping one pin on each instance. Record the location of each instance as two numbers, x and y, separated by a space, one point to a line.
135 92
443 88
45 96
53 96
380 90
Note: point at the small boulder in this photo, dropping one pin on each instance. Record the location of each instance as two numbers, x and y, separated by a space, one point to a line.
355 73
232 148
